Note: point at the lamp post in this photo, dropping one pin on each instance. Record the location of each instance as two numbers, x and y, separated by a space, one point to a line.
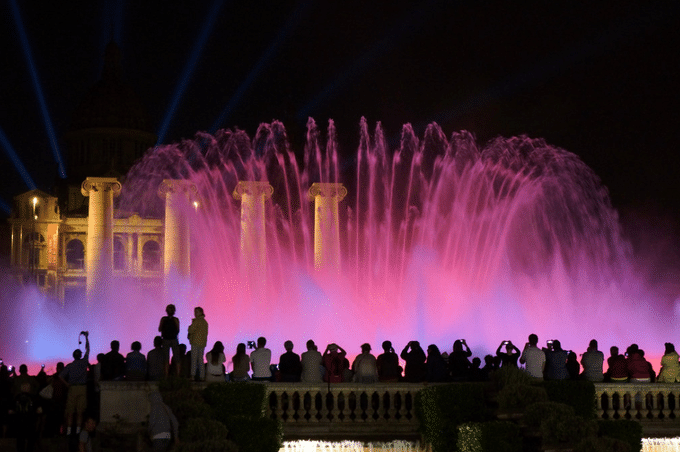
32 264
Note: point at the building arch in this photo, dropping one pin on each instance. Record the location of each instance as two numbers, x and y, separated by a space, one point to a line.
151 256
75 255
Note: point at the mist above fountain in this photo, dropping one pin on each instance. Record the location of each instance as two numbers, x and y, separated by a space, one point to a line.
439 239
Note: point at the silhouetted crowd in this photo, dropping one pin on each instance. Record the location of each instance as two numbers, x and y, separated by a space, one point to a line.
67 401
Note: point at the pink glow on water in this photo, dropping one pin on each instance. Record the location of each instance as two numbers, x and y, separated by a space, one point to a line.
440 239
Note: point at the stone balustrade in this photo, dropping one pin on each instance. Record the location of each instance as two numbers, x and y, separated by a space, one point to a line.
386 410
382 410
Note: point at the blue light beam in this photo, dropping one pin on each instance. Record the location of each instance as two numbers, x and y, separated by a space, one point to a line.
21 169
6 209
49 128
189 68
293 20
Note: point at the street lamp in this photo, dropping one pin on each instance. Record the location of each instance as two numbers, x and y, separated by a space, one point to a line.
32 266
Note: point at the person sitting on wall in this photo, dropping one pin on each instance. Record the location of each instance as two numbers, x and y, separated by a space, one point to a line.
335 363
617 366
214 368
365 366
240 364
573 367
415 370
135 363
510 356
387 362
459 363
260 360
311 362
592 362
289 364
670 366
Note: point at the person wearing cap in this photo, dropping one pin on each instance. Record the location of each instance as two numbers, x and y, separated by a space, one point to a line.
365 366
335 363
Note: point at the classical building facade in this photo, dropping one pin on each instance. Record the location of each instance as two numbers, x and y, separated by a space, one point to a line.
109 131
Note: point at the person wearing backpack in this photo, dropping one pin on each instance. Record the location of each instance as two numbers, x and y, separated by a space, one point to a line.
169 329
25 412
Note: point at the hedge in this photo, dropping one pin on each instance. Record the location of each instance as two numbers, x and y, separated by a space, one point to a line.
489 437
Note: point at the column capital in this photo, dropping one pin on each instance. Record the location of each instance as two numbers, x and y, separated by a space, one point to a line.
253 188
101 184
172 186
328 190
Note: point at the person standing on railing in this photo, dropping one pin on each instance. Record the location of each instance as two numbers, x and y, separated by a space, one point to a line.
533 358
592 361
670 366
198 339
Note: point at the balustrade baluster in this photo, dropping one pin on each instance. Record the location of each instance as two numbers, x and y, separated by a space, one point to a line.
598 403
344 412
335 411
392 410
281 398
312 409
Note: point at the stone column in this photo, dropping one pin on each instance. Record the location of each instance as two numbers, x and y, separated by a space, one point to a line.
252 195
99 257
326 197
178 195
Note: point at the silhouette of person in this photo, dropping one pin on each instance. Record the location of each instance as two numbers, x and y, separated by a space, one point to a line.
415 370
312 364
169 329
198 339
289 364
389 369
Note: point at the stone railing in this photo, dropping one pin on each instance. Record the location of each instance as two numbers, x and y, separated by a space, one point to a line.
638 401
386 410
345 409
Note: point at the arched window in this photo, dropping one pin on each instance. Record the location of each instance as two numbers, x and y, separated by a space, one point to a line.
151 256
118 255
75 255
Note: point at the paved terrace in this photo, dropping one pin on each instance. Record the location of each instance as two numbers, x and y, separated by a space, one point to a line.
384 411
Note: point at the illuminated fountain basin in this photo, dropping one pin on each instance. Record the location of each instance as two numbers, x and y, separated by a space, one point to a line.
438 239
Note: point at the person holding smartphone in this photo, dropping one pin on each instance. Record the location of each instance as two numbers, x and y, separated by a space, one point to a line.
510 356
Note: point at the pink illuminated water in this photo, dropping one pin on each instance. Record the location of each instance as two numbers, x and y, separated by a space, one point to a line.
440 239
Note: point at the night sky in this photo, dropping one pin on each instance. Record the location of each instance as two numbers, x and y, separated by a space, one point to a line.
597 78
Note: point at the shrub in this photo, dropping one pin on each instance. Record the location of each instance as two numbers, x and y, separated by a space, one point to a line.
236 399
516 397
440 409
489 437
255 435
628 431
186 404
579 394
511 375
202 429
535 413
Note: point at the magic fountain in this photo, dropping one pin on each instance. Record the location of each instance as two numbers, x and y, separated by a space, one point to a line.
434 240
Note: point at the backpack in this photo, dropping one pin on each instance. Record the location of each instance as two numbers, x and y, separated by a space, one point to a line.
24 404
